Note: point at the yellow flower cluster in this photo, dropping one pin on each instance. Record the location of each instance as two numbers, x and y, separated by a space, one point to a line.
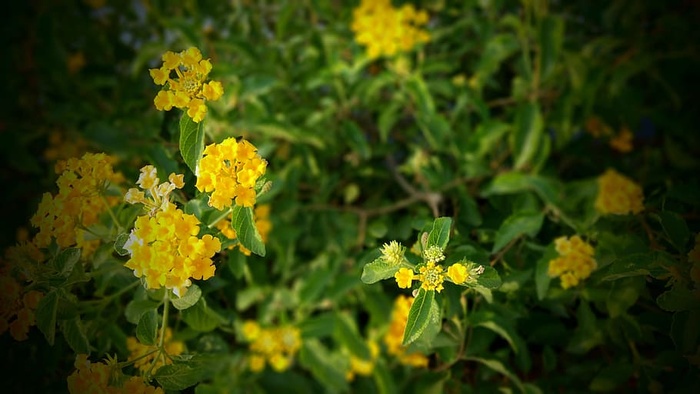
163 245
189 88
230 171
393 253
362 367
618 194
262 223
432 275
101 378
80 199
575 262
393 338
385 30
16 309
276 346
147 356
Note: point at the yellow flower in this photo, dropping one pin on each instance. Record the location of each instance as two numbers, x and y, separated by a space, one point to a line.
393 253
222 168
457 273
256 362
251 330
96 378
275 346
385 30
363 367
618 195
188 88
575 261
431 277
404 277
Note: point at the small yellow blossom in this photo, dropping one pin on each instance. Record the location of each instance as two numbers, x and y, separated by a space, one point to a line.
155 196
393 253
386 30
188 89
431 277
457 273
229 171
575 262
275 346
404 277
393 339
145 356
98 378
618 195
360 366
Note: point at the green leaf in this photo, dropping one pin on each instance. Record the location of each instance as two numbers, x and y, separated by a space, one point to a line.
201 318
190 298
489 279
248 235
316 358
500 368
440 233
542 278
418 316
525 140
119 244
74 334
611 377
313 285
66 260
346 334
237 264
635 264
147 328
191 141
516 225
551 38
382 379
496 324
685 331
178 376
136 308
378 270
420 94
675 229
486 293
46 316
678 299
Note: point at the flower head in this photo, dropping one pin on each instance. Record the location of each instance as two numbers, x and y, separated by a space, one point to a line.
393 253
433 253
386 30
275 346
457 273
230 171
575 261
189 87
404 277
431 276
618 195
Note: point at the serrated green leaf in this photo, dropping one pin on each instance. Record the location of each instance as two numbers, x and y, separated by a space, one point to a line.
516 225
178 376
248 235
66 260
74 334
418 316
378 270
46 316
191 141
188 299
346 334
147 328
440 233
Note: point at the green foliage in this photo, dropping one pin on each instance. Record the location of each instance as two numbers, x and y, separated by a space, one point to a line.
477 151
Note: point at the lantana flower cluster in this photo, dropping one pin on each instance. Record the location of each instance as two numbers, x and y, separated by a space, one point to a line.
188 88
575 262
16 308
79 202
431 275
393 339
618 195
147 357
164 247
230 171
105 378
386 30
262 224
275 346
